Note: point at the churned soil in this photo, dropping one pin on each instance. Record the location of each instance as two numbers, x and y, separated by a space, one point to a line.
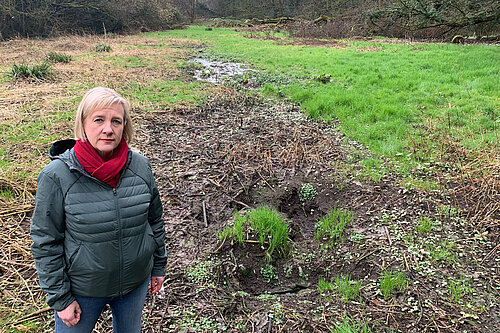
237 152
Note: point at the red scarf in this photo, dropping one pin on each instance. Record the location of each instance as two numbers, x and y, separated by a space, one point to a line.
92 162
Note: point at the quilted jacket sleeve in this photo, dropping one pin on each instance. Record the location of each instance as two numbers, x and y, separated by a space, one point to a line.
47 232
155 218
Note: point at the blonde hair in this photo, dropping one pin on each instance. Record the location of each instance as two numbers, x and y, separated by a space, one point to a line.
98 98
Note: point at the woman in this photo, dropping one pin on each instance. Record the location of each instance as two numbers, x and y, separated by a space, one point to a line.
97 229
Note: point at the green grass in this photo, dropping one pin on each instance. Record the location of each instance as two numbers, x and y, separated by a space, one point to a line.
424 225
349 325
331 227
459 289
397 99
391 282
348 289
325 286
269 226
443 251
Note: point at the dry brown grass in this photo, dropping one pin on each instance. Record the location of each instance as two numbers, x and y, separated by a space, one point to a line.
32 115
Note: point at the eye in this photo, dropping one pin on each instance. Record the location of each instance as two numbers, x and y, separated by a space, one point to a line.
98 120
117 122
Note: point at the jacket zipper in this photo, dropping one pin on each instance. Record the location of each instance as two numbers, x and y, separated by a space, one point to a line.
120 250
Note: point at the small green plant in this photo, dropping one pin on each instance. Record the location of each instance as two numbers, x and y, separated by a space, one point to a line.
202 272
235 231
424 225
350 326
58 57
346 287
307 192
325 286
447 211
323 78
37 72
442 252
459 289
102 47
390 282
269 272
331 227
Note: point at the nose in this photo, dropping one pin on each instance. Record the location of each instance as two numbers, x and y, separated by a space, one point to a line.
107 128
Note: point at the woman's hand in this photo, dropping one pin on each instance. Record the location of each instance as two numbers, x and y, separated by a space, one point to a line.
71 315
156 283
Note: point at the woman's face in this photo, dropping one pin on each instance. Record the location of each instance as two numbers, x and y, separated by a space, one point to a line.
104 129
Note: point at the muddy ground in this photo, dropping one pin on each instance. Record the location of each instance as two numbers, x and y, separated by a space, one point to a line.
238 152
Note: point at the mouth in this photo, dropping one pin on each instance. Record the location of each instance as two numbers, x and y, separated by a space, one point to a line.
107 140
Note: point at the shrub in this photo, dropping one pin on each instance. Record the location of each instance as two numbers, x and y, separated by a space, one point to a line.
37 72
58 57
331 226
102 47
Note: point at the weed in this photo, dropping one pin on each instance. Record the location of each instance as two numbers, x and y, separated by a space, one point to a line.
269 272
331 226
346 287
459 289
323 78
390 282
201 273
350 326
102 47
442 252
58 57
307 192
191 320
447 211
324 285
37 72
424 225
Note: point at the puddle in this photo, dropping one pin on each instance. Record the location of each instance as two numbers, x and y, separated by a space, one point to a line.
217 71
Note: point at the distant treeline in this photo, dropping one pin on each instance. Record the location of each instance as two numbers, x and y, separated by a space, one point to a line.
50 17
398 18
337 18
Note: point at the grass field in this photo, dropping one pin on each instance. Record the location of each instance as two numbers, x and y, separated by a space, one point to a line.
399 98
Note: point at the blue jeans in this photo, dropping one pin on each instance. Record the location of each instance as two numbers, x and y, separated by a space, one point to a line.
126 310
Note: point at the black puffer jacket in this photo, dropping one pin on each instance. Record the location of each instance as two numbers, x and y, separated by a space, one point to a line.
90 239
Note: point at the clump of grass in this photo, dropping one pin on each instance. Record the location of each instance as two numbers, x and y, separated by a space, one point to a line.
58 57
331 227
346 287
390 282
424 225
324 285
350 326
271 228
307 192
267 223
102 47
442 252
459 289
38 72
